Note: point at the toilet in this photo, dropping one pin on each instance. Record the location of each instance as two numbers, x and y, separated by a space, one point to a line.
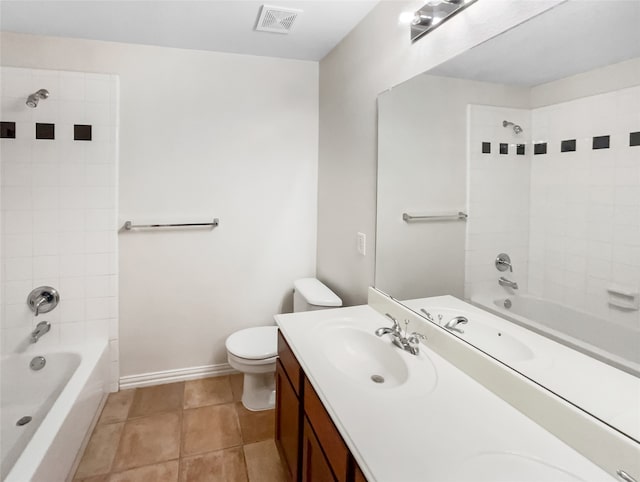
254 351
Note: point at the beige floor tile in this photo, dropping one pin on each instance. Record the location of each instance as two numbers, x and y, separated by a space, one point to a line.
237 379
165 472
256 426
221 466
149 440
100 451
157 399
95 478
207 391
263 462
210 428
117 407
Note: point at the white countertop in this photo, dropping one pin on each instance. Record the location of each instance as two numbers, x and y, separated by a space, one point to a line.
439 425
602 390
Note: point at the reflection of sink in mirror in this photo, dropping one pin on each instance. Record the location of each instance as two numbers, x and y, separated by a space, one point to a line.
361 356
507 467
493 341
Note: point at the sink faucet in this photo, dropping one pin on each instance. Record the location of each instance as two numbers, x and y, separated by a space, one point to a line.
508 283
452 324
409 343
41 328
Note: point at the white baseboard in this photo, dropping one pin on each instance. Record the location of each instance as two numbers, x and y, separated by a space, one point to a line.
170 376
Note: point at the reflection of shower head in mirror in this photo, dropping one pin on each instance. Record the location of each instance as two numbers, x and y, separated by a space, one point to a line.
516 128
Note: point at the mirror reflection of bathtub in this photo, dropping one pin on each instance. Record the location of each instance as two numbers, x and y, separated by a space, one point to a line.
582 331
560 194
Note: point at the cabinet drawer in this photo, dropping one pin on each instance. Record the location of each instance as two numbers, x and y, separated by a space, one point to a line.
289 363
330 440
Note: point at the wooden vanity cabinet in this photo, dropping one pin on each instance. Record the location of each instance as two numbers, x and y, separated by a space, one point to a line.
310 446
288 410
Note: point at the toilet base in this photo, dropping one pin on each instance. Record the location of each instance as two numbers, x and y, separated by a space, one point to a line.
259 391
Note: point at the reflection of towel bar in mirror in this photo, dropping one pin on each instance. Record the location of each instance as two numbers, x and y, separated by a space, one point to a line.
459 216
129 226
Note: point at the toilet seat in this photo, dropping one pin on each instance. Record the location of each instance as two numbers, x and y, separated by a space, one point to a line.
259 343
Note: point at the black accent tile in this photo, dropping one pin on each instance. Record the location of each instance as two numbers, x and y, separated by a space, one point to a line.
568 146
7 130
504 148
601 142
520 149
540 148
634 138
81 132
45 131
486 147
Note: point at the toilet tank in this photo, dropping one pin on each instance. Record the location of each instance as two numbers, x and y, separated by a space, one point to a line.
310 294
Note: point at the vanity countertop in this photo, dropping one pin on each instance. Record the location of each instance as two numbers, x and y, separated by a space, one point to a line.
431 422
602 390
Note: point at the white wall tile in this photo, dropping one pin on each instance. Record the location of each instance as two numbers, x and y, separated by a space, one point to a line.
17 269
72 333
72 265
73 287
45 244
46 267
72 310
44 193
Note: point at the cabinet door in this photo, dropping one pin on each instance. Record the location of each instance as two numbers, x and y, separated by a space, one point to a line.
287 423
315 467
359 476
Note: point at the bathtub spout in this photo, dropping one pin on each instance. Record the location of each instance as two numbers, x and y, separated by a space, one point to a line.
42 328
508 283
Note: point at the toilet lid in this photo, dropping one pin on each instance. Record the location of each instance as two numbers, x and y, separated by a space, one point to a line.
254 343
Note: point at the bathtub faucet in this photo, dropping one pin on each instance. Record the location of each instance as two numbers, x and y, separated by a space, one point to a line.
508 283
41 328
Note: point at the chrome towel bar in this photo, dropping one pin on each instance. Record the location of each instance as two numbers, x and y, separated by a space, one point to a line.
459 216
128 225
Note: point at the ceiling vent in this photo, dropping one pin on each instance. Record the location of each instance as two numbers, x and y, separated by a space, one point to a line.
276 19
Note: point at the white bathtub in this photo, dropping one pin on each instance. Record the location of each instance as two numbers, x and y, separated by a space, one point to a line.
579 330
62 398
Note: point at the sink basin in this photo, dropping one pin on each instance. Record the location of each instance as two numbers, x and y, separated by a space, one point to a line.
496 342
491 340
363 356
507 467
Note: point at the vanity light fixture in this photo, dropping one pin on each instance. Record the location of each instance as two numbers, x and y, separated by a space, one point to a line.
433 14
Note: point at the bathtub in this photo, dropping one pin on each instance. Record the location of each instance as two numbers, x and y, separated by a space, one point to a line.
579 330
62 398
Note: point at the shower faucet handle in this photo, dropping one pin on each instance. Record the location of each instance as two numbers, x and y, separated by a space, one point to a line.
43 299
503 262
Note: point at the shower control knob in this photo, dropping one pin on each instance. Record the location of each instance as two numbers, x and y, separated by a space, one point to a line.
43 299
503 262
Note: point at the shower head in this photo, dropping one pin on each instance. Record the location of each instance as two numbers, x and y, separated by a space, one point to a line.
516 128
33 99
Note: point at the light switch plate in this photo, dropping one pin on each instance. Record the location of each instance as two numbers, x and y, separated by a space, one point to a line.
362 244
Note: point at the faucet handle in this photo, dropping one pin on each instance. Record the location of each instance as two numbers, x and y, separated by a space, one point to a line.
396 325
427 314
415 337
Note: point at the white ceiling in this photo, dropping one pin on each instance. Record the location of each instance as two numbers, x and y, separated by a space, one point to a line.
218 25
576 36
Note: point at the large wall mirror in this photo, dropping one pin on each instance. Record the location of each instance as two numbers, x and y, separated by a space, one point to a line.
535 135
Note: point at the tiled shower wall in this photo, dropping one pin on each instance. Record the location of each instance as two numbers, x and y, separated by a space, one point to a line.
567 211
59 208
585 203
497 197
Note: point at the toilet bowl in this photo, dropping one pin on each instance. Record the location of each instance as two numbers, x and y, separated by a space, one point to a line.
254 351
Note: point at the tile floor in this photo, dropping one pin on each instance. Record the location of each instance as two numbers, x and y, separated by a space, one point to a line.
193 431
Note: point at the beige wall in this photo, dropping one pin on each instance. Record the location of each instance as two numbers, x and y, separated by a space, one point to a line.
202 134
374 57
